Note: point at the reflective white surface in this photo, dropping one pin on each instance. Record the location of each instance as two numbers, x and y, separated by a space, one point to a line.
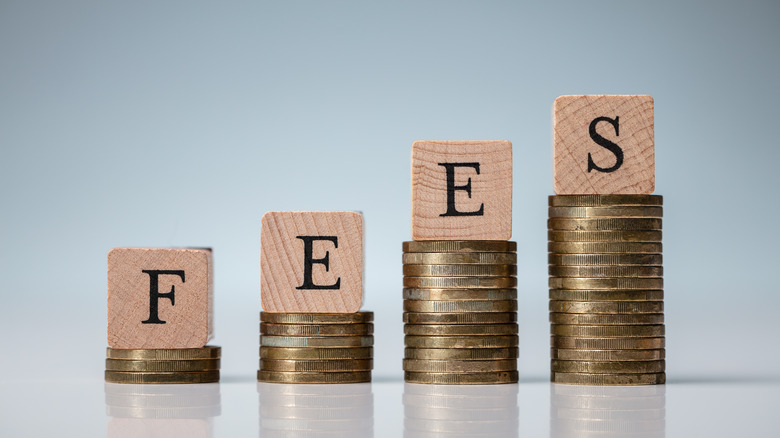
534 408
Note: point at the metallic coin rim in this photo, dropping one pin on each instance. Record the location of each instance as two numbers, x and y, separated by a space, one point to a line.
317 318
443 246
313 377
325 330
459 258
460 329
337 365
315 353
460 294
206 352
459 366
461 378
604 224
490 341
154 366
607 319
604 200
162 377
455 306
607 355
459 270
608 367
459 318
609 379
608 331
460 282
461 353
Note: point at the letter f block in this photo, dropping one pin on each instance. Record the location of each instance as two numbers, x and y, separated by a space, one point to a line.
311 262
160 298
604 145
462 190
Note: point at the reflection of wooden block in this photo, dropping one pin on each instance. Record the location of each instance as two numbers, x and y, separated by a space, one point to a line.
462 190
604 145
160 298
311 262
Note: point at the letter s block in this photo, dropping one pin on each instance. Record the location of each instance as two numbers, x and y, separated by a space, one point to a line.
311 262
160 298
462 190
604 145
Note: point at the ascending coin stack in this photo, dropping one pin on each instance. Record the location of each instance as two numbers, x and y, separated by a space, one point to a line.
460 312
176 365
316 347
606 289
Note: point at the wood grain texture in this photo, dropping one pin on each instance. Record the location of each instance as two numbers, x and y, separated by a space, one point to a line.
573 118
189 320
284 288
491 190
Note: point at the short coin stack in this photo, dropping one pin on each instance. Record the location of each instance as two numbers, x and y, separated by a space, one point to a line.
460 311
316 347
170 365
606 289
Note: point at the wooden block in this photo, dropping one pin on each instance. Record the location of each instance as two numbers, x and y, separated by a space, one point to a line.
604 145
311 262
160 297
462 190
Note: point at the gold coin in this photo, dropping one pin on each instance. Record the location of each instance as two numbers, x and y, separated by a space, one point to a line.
606 283
309 353
607 271
603 200
317 318
602 331
460 258
459 306
207 352
607 355
460 270
461 378
162 365
459 246
460 341
628 367
333 365
607 306
607 319
459 294
313 377
605 236
459 329
461 282
159 377
316 330
605 259
616 211
606 295
604 224
461 353
609 379
460 318
459 366
320 341
605 247
607 343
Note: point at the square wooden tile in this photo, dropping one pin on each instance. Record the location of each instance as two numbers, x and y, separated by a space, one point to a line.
604 145
160 297
311 262
462 190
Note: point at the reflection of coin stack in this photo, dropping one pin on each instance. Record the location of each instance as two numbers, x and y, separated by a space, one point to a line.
316 347
316 410
161 410
606 289
460 312
169 365
460 411
607 411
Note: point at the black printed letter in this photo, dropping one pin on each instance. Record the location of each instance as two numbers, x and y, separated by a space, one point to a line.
601 141
451 187
309 260
155 295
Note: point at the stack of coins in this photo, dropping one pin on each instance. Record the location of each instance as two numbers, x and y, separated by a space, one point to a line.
607 411
606 289
316 347
169 365
316 410
458 411
460 312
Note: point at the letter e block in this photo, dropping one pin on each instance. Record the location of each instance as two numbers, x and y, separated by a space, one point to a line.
604 145
462 190
160 298
311 262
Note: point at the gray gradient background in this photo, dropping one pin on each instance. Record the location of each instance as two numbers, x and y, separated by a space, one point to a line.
180 123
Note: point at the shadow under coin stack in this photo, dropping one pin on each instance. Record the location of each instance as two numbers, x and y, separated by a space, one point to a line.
175 365
316 347
460 312
606 289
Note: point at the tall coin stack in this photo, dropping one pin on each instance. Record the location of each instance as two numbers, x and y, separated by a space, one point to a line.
316 347
170 365
460 311
606 289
